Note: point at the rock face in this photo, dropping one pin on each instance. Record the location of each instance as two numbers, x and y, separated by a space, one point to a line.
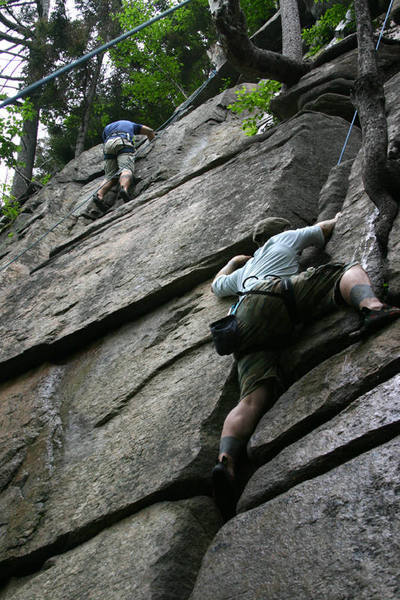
112 397
319 540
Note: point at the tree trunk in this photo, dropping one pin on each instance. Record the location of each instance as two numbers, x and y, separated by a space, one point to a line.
83 127
370 102
26 156
291 30
243 54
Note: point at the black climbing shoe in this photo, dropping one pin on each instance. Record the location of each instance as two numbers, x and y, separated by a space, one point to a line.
124 195
225 492
374 319
99 203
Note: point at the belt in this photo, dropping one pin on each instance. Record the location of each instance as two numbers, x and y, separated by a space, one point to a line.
287 295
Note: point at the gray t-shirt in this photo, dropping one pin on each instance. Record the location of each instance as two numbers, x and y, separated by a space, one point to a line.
278 257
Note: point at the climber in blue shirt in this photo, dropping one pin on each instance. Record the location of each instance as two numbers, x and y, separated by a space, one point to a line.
118 139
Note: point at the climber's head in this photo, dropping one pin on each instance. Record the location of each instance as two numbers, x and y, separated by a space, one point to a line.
267 228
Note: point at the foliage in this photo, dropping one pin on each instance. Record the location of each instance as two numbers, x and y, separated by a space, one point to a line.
226 83
165 62
11 128
71 104
323 30
257 100
257 12
9 207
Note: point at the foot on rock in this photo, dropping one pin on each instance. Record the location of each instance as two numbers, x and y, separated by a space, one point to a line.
124 195
225 492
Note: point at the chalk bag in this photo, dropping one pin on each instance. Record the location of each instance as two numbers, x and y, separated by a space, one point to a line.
225 333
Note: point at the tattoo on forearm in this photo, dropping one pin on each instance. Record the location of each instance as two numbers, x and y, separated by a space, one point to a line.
360 292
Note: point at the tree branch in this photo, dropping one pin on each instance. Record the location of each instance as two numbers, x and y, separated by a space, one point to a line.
370 101
18 3
13 26
11 78
15 54
10 75
246 56
14 40
23 27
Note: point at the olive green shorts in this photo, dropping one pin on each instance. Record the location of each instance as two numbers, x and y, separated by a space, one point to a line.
119 162
265 326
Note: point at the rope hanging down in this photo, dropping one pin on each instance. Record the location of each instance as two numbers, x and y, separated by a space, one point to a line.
356 112
86 57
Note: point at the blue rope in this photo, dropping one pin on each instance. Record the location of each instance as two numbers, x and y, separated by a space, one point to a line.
88 56
347 138
384 25
355 114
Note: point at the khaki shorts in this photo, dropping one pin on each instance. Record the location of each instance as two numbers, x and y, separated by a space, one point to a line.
265 326
120 162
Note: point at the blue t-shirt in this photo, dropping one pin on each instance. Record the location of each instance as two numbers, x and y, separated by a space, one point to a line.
128 127
279 257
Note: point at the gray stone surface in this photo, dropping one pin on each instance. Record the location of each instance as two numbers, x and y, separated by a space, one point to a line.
364 423
393 116
153 555
114 397
337 76
208 136
211 126
127 264
332 104
394 263
334 191
131 419
326 389
354 237
336 536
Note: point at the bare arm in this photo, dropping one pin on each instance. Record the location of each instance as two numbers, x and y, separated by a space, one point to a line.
328 226
234 263
144 130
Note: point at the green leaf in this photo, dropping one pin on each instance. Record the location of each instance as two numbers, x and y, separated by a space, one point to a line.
323 30
257 100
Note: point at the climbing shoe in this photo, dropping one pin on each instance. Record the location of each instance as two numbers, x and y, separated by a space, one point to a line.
99 203
225 491
374 319
124 195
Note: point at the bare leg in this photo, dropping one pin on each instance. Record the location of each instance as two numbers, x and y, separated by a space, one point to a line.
356 289
105 187
241 422
238 427
125 179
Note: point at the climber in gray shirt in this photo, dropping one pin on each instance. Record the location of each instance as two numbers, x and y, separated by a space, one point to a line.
265 324
278 257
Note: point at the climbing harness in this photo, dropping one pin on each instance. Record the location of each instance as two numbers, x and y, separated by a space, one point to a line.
137 153
356 112
173 117
225 331
138 150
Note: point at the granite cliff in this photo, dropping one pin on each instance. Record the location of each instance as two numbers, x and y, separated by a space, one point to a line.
112 396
